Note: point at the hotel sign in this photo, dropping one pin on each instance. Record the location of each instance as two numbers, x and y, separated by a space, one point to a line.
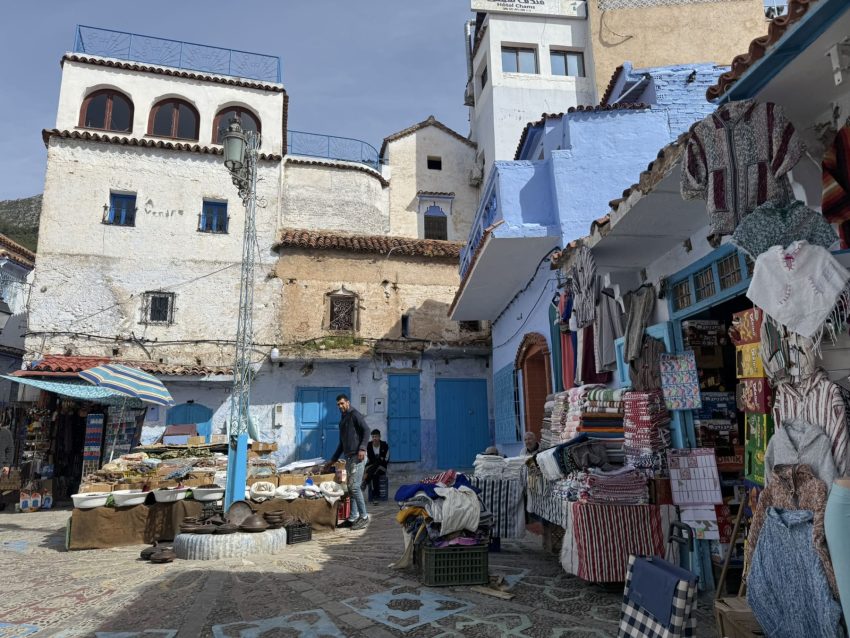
569 8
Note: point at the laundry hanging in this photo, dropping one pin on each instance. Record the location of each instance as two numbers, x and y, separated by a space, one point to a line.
836 184
779 225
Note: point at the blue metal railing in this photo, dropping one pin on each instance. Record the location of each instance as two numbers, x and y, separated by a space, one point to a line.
177 54
331 147
485 216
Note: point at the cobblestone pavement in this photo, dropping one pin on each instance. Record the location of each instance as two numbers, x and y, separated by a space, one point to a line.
338 585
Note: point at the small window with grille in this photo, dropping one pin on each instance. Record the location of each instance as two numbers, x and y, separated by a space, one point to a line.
729 269
341 311
704 284
158 308
682 294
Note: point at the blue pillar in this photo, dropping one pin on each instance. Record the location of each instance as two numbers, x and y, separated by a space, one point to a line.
237 471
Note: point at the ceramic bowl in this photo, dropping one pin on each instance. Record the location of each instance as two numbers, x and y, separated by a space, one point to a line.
126 498
170 495
206 494
90 500
227 528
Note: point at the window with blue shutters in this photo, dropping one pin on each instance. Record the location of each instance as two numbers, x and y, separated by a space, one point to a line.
121 210
213 217
505 406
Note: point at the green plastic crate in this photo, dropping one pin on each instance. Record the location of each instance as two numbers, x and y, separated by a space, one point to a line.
454 565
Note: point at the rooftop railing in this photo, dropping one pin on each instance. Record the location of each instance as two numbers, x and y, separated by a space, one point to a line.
330 147
174 53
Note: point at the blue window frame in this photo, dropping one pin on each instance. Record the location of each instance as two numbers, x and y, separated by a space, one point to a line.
121 210
213 217
721 275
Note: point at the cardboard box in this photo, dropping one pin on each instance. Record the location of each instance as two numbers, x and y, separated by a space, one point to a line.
757 433
12 481
87 488
748 361
746 327
754 395
263 448
195 441
262 479
735 619
299 479
716 405
708 357
731 459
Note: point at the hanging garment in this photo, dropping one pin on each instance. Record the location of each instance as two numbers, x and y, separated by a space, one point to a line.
588 359
786 356
800 287
800 443
461 509
837 522
794 487
645 370
568 341
781 225
585 286
737 159
557 354
607 328
836 184
816 400
639 306
580 352
786 588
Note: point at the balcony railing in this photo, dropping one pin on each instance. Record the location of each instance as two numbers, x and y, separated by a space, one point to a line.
485 216
176 54
345 149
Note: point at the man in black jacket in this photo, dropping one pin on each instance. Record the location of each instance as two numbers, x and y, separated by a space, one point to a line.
378 457
353 437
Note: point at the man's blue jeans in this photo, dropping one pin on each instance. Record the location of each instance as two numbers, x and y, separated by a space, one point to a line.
354 469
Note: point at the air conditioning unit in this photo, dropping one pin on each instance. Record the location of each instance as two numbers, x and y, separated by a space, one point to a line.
476 176
575 8
278 415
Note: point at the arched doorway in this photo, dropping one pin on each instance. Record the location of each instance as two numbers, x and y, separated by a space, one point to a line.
534 361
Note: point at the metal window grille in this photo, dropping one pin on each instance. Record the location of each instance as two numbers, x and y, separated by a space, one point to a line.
751 266
342 312
682 294
704 284
158 308
213 218
469 326
729 269
606 5
121 210
436 227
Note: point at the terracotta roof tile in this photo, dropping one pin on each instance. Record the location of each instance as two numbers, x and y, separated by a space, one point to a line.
191 147
611 84
410 130
434 193
759 47
343 165
144 68
57 364
594 108
379 244
15 252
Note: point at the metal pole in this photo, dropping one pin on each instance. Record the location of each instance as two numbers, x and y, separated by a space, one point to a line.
237 461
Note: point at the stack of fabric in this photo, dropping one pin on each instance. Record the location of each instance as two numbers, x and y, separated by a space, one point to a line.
552 430
624 486
513 468
646 431
488 465
601 418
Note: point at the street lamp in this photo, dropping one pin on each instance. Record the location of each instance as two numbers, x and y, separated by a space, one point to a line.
241 151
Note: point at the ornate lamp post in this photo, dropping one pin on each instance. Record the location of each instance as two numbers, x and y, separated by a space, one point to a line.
240 158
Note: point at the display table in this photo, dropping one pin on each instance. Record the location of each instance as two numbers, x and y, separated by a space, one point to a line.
542 500
504 499
317 511
599 538
104 527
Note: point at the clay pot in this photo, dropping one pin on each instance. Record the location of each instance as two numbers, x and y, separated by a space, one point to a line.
165 555
254 523
226 528
149 551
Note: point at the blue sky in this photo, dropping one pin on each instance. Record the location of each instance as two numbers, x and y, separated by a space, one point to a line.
356 69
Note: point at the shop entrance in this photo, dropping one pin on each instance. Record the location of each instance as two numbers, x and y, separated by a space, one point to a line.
317 421
534 361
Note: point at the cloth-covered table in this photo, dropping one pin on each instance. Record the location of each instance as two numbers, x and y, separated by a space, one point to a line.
317 511
599 538
104 527
543 501
504 499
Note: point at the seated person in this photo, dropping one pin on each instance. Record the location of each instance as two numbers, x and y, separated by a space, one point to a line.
532 445
378 456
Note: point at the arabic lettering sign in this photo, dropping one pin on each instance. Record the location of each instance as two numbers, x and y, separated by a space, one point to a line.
535 7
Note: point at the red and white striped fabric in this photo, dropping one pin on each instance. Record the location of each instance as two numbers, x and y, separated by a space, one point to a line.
600 539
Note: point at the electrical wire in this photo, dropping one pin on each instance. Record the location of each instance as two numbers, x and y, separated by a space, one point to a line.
528 315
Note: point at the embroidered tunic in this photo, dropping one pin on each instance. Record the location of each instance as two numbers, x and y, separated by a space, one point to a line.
737 159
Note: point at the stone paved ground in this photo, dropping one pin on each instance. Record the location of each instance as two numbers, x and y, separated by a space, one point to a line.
337 585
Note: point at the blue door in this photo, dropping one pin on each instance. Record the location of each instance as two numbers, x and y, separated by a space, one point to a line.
463 428
403 419
186 413
317 421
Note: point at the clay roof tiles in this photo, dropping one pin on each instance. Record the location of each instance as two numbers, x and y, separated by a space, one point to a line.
336 164
191 147
759 47
611 84
378 244
13 251
191 75
592 108
67 365
410 130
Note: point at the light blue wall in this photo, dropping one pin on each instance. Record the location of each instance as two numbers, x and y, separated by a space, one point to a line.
525 200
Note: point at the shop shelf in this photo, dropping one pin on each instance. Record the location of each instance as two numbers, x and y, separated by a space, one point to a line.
300 533
451 566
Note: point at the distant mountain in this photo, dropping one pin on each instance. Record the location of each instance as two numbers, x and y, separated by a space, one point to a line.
19 220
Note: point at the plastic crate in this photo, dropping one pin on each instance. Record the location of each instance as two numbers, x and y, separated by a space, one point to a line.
383 489
344 509
455 565
298 533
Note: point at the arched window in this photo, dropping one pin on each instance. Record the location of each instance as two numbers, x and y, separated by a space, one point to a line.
436 223
107 110
248 121
174 118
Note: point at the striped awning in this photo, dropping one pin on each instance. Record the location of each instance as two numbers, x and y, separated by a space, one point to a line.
82 391
130 382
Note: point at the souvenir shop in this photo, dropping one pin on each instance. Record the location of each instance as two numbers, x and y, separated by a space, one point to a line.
717 294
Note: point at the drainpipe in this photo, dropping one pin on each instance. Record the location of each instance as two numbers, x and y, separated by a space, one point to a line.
468 31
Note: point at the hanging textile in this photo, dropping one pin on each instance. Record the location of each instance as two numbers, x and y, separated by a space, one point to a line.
568 341
836 184
585 286
639 306
555 334
645 370
607 328
738 158
588 359
680 381
781 225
